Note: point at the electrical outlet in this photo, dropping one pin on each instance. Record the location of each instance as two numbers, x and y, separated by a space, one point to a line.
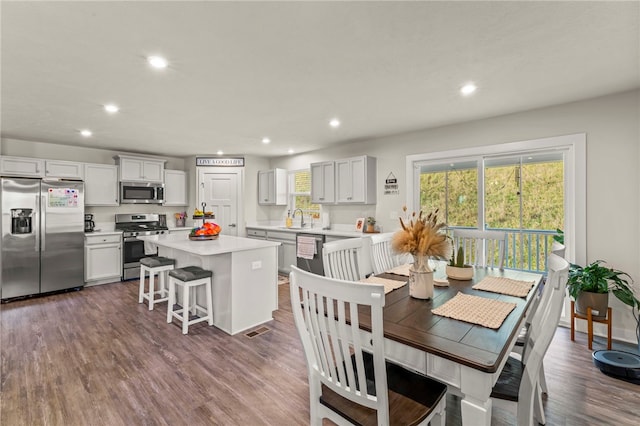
256 265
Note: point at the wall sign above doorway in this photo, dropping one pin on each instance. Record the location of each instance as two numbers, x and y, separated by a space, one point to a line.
220 161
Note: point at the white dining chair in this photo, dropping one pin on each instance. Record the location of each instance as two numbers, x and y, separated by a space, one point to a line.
348 385
382 257
557 248
481 248
541 299
343 259
517 388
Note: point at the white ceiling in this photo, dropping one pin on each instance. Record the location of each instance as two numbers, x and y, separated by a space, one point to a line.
240 71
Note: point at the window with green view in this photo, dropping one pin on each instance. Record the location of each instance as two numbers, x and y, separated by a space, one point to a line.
300 193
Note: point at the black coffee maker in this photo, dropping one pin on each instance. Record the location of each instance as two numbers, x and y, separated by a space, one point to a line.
89 224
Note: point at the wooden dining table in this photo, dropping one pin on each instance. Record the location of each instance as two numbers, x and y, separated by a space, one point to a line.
465 356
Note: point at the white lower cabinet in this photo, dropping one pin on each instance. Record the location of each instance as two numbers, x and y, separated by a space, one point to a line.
286 251
102 259
256 234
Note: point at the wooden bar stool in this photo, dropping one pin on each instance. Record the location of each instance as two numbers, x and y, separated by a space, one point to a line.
189 278
590 321
154 266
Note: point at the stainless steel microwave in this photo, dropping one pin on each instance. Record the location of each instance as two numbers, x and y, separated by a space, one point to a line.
141 193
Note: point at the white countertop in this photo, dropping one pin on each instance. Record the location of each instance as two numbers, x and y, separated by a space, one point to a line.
224 244
101 232
317 231
181 228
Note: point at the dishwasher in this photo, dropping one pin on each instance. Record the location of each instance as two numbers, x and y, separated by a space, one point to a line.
304 252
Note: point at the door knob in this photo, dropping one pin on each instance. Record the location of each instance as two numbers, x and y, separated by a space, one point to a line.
232 225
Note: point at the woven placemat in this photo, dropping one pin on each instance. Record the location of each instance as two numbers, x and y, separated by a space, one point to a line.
389 285
400 270
488 313
506 286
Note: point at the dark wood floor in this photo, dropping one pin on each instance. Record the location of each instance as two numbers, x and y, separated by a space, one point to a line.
97 357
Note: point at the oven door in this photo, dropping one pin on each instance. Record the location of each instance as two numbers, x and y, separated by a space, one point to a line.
132 253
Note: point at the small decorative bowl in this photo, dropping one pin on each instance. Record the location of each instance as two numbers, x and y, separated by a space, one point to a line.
460 274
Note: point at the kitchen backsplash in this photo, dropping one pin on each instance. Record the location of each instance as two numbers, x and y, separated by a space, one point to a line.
107 214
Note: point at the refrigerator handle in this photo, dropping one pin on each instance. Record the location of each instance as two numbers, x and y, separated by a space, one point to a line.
36 220
43 219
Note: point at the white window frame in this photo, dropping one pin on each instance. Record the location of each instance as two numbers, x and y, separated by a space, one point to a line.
574 147
575 182
291 194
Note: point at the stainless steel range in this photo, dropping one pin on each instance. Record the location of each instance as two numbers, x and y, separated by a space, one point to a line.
132 226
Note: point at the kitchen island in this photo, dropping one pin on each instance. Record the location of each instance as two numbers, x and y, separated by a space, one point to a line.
245 275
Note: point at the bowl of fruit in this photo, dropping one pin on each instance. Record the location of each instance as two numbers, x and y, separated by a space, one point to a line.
208 231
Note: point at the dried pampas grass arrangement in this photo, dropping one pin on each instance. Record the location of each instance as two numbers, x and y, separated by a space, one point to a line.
422 236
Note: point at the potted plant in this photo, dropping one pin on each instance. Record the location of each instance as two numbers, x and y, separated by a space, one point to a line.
559 237
456 268
590 286
371 224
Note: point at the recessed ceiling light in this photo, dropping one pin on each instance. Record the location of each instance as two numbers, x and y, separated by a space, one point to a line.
334 123
220 153
111 108
157 62
266 140
291 151
468 89
86 133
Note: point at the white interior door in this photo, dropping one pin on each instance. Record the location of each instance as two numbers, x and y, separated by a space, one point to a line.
220 190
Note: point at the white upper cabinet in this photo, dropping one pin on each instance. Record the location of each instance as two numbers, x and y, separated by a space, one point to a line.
37 167
140 169
272 187
21 166
64 169
175 188
101 185
323 183
356 180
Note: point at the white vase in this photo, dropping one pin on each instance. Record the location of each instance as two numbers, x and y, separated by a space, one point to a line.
420 278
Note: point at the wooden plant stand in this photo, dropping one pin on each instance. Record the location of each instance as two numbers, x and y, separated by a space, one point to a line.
590 321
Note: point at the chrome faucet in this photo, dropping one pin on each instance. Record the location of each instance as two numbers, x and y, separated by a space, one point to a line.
301 217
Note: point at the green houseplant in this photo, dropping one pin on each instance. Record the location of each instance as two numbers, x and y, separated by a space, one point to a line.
456 268
595 281
371 224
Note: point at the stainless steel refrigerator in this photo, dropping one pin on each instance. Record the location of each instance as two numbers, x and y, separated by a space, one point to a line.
42 229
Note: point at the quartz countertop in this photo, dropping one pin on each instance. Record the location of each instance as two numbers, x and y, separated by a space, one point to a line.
338 232
101 232
224 244
181 228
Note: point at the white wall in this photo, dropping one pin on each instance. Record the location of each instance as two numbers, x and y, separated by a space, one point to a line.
611 124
